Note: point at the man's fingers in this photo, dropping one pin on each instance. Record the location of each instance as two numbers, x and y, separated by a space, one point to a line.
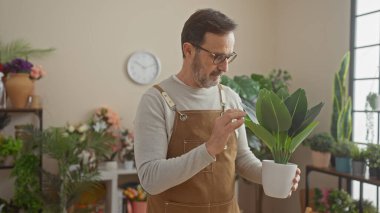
231 115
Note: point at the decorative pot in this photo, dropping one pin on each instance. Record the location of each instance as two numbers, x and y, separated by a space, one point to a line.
139 207
19 88
277 178
343 164
129 164
110 165
320 159
358 168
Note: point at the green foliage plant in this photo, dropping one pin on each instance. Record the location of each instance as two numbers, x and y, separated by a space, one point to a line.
368 206
283 122
343 149
357 154
20 49
9 146
321 142
372 153
66 187
341 201
370 105
27 171
341 124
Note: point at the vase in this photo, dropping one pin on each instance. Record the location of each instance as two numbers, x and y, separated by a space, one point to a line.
19 87
129 164
320 159
277 178
139 207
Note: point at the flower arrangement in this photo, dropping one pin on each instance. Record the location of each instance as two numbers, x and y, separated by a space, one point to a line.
19 65
106 121
135 193
127 142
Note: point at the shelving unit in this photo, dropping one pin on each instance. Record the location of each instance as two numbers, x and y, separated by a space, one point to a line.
340 175
111 178
38 112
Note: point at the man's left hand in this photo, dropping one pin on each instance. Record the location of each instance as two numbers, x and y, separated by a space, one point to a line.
296 180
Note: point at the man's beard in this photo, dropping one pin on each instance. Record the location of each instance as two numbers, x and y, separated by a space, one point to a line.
203 80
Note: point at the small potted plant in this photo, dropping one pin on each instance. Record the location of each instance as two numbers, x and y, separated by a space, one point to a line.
342 152
358 161
372 153
341 201
320 145
283 123
9 148
137 196
127 155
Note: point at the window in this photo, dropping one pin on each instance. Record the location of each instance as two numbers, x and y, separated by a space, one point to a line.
364 78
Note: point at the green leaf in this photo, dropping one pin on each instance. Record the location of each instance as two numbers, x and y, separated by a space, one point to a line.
300 137
297 106
258 106
248 88
311 114
227 81
263 134
275 117
283 93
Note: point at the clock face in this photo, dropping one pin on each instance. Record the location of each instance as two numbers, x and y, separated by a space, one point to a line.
143 67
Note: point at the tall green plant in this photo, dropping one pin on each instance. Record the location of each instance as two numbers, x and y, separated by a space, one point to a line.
283 122
341 123
20 49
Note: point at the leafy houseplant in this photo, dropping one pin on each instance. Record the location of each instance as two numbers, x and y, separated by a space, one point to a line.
372 153
341 124
370 105
343 156
321 145
341 201
358 161
9 147
283 123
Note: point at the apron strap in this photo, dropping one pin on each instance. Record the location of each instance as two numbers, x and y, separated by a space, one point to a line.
170 102
222 96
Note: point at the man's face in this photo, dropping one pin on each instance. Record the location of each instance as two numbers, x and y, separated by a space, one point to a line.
205 72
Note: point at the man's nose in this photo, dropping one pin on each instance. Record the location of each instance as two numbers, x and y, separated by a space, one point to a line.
223 66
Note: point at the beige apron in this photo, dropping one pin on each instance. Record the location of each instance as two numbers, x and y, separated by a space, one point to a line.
212 189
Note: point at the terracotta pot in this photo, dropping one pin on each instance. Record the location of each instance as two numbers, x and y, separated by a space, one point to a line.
320 159
19 88
139 206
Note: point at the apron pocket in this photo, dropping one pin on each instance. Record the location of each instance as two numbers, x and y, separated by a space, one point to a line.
191 144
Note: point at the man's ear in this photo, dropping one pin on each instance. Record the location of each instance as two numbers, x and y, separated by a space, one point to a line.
188 49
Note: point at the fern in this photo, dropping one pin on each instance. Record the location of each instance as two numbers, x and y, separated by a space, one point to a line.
20 49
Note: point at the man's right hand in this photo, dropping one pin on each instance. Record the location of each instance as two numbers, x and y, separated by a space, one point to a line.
224 126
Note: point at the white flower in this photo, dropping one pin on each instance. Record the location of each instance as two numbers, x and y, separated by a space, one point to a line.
83 128
100 126
70 128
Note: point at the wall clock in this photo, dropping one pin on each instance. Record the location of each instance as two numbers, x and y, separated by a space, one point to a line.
143 67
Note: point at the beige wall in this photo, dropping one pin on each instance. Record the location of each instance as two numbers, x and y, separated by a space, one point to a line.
94 38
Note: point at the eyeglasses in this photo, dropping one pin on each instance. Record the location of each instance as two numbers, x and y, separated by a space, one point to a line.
218 58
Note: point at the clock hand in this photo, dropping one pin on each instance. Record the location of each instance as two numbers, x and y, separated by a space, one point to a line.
150 65
142 66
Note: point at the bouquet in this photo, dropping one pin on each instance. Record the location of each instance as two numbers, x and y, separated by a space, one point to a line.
127 145
19 65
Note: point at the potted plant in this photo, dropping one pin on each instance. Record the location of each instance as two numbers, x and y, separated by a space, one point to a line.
137 196
358 161
127 155
372 153
343 160
9 148
283 123
321 145
341 201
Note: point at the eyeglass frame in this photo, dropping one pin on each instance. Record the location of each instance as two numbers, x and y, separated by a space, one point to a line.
230 58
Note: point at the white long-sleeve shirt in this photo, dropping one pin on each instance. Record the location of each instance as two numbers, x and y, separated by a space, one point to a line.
153 128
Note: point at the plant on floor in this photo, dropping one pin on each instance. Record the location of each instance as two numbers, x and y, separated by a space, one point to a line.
367 205
64 189
341 201
283 122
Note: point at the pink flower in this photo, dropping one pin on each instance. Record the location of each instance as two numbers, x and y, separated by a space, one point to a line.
37 72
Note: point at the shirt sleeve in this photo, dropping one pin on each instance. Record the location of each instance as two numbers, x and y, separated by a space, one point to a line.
156 173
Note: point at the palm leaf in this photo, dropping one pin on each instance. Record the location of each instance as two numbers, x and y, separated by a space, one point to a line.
20 49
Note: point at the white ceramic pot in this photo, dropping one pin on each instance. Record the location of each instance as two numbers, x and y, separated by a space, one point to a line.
277 179
110 165
129 164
